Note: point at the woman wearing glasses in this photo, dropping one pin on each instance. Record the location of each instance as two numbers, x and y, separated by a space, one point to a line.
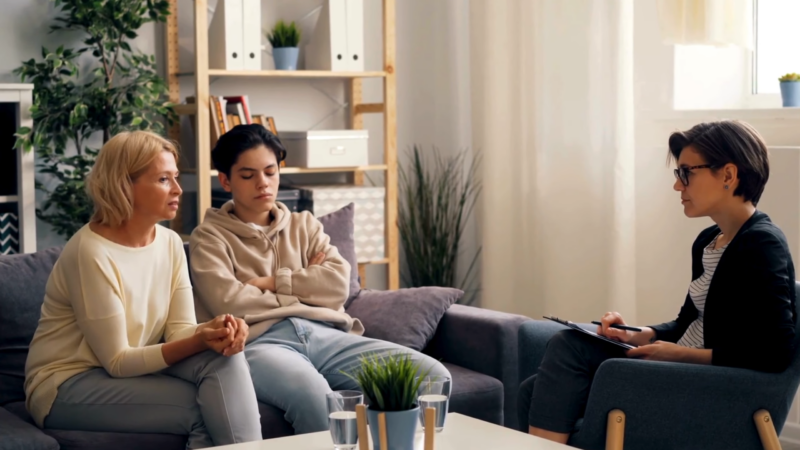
741 267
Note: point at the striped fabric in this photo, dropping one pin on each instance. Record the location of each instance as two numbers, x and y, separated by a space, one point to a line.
698 290
9 234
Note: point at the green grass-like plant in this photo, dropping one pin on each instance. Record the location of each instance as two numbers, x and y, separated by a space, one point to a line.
437 196
790 77
284 35
389 382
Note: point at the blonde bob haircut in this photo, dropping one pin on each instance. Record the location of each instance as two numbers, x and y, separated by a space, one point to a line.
121 161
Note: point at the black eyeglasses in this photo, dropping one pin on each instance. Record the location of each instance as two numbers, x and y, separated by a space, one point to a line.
682 173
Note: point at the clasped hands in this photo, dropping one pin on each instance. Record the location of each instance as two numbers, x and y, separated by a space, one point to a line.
268 283
647 347
224 334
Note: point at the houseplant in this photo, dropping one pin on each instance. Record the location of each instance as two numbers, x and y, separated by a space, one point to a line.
390 384
76 111
790 89
437 196
285 41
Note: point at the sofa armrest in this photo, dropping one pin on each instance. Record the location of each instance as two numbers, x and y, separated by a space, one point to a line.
483 341
16 434
686 405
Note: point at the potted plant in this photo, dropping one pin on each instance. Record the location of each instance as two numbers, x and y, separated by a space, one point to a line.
790 89
390 384
436 198
75 112
285 41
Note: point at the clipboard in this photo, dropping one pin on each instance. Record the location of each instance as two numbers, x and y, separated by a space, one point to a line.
574 326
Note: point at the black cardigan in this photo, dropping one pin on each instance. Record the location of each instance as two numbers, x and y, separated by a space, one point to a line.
749 317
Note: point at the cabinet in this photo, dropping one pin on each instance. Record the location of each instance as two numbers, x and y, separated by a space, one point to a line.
17 169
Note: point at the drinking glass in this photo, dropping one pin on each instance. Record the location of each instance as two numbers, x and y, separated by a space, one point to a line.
342 418
434 392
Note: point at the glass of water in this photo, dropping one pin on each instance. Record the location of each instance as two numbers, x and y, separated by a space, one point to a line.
342 418
434 392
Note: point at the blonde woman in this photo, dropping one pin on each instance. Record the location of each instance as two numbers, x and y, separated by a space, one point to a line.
118 347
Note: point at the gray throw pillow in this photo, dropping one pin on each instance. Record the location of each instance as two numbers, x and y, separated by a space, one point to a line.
339 226
22 282
408 317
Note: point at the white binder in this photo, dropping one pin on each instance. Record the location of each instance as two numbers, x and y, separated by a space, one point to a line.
338 40
355 35
251 34
225 37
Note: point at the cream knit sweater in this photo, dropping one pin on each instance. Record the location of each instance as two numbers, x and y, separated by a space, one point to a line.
107 305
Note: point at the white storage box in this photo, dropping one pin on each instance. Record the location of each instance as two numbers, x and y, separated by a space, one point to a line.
326 148
369 220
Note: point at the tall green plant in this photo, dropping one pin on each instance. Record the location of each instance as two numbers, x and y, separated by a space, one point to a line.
391 382
437 198
119 91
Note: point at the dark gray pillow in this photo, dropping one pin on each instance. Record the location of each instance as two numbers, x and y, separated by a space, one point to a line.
22 282
339 226
408 317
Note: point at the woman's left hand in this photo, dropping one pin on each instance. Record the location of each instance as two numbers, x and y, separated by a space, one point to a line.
240 332
659 351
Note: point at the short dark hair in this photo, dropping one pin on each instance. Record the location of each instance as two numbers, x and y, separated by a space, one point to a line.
240 139
729 141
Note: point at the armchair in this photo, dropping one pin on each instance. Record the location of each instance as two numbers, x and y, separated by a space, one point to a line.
660 405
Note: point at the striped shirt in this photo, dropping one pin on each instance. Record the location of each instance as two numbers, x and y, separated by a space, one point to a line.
698 290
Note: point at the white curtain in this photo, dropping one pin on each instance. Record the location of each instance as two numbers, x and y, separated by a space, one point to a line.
707 22
552 112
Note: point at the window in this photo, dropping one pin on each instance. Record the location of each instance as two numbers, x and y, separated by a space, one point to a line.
777 49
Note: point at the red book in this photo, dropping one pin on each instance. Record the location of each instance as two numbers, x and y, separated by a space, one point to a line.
241 99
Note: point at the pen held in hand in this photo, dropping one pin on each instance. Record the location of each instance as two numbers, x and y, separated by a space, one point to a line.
619 327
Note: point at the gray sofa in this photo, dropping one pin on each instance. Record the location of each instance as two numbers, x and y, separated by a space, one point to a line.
479 347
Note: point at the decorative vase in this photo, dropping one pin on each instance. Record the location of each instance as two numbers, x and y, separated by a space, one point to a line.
790 93
285 57
400 428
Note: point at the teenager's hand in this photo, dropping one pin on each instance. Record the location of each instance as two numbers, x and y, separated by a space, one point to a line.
263 283
317 259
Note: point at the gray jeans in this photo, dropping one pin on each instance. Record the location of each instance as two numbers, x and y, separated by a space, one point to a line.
208 397
298 361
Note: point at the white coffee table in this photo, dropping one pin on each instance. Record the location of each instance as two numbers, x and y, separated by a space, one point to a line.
460 433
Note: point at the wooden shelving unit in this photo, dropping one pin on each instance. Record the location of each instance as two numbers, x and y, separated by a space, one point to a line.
200 110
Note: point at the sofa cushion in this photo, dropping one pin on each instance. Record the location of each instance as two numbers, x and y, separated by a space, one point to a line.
408 317
273 425
476 395
16 434
339 226
22 282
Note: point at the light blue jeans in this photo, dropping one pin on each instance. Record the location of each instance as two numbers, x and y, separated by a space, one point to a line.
298 361
208 397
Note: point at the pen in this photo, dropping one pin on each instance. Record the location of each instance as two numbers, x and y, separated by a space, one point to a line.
619 327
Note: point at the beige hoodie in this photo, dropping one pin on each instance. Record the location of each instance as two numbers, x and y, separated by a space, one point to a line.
226 252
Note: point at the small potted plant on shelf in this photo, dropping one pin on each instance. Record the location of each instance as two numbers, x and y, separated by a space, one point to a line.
790 89
390 384
285 41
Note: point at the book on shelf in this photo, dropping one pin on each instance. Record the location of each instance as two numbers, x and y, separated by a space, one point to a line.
239 105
